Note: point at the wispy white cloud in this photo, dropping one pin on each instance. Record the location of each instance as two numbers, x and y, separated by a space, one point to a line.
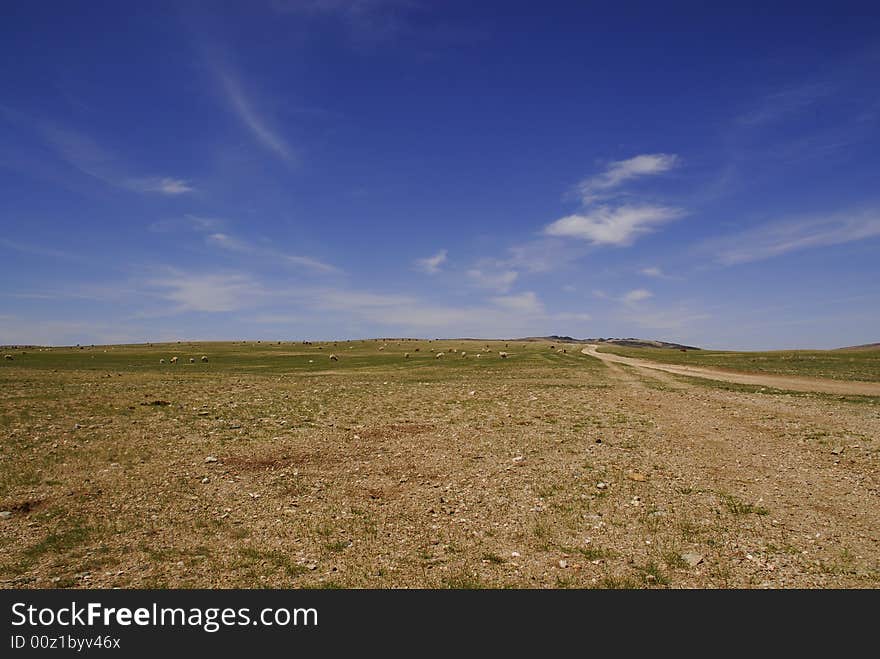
681 319
163 185
781 237
431 264
790 100
84 154
226 241
637 295
652 272
232 243
310 263
497 280
525 303
615 223
210 292
621 171
501 316
43 251
245 109
542 255
188 222
607 225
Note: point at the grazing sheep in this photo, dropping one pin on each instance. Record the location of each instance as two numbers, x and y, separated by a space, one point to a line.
479 355
9 357
406 355
334 358
381 347
174 360
162 361
464 354
438 355
204 358
192 360
503 355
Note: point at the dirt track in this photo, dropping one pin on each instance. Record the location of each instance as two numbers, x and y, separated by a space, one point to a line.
775 381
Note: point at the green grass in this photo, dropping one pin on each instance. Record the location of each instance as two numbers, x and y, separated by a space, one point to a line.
463 581
834 364
272 358
61 542
739 508
275 559
772 391
651 575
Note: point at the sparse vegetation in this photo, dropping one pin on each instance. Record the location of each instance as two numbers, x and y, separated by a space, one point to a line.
269 467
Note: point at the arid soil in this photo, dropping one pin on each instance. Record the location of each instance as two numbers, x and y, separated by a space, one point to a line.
543 470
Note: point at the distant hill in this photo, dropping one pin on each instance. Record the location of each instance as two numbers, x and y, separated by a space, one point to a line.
629 342
864 346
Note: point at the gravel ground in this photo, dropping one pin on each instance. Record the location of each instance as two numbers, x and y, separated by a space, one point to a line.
565 473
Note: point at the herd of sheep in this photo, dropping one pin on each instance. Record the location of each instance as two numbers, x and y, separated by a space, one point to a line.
192 360
334 358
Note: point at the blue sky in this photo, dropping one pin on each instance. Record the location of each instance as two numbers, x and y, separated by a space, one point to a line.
323 169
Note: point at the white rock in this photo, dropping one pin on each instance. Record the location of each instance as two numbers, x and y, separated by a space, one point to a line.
210 459
692 559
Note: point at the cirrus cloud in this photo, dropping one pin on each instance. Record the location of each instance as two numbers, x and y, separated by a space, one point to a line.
612 226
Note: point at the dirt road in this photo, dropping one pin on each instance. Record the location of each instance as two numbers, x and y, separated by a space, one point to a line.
775 381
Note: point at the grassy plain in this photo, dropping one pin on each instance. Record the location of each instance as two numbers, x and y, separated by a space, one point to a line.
271 465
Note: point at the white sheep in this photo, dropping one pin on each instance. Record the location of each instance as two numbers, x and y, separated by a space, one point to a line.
162 361
174 360
503 355
438 355
479 355
406 355
192 360
204 358
464 354
9 357
334 358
